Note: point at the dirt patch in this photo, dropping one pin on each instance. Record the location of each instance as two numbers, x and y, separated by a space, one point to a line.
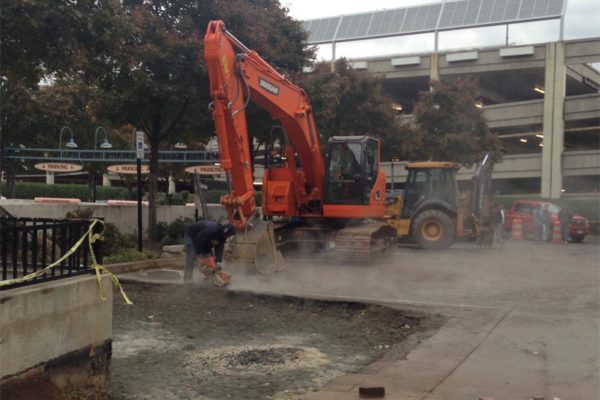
204 343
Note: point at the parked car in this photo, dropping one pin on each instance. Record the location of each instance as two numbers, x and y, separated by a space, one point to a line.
579 227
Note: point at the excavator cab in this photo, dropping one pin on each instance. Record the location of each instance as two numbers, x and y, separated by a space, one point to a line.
352 168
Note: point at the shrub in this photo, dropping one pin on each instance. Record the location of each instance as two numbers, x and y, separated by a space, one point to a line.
129 255
169 234
214 196
80 213
177 199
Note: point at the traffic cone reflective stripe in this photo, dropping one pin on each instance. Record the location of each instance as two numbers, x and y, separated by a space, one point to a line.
517 229
556 236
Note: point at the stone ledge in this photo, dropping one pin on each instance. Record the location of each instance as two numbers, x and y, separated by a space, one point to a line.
83 373
123 268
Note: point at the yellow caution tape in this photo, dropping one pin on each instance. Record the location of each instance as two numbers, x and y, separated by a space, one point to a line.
92 237
101 269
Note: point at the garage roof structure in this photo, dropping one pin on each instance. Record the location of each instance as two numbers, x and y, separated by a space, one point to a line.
431 18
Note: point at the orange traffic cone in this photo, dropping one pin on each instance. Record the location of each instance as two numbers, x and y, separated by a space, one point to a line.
556 236
517 229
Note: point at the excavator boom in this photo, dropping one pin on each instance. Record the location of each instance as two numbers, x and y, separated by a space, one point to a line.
351 187
237 74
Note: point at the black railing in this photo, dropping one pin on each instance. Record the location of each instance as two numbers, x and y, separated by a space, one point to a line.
109 156
28 245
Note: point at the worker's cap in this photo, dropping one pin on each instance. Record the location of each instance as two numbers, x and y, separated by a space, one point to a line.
228 230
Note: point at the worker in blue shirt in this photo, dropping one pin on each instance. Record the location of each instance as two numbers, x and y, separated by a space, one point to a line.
205 241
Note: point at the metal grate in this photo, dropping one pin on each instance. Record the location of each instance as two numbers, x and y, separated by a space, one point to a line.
29 245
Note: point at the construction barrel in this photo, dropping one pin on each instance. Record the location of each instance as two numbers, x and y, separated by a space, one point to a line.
556 235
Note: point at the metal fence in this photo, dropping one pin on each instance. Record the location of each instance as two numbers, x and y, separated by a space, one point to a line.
29 245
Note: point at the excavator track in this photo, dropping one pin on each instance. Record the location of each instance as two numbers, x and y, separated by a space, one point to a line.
364 244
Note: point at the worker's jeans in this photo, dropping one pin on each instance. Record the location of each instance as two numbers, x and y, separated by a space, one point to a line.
564 232
190 258
538 232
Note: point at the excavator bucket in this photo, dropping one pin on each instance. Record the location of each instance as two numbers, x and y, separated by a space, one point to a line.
256 246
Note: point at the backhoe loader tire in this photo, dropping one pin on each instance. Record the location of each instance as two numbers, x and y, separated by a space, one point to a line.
433 229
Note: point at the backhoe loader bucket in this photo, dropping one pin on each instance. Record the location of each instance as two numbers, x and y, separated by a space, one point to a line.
256 246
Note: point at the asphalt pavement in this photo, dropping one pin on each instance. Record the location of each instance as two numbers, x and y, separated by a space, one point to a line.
523 318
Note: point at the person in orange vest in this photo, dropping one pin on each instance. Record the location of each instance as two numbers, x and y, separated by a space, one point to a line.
205 240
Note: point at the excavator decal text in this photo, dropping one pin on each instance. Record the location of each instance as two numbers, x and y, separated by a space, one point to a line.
225 65
268 86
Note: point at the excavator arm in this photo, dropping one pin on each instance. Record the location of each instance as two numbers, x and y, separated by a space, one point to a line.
238 75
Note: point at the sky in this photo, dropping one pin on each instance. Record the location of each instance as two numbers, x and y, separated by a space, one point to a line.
582 20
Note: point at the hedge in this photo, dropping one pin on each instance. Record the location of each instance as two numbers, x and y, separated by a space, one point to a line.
30 190
213 196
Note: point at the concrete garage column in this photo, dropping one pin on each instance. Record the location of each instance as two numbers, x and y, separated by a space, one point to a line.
434 68
554 126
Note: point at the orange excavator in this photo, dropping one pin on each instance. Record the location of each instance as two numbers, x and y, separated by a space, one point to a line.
310 203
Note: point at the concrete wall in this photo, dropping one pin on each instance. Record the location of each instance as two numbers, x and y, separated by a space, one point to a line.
123 217
585 106
575 163
515 114
46 321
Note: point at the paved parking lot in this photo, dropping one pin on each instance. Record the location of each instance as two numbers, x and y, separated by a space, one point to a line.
524 318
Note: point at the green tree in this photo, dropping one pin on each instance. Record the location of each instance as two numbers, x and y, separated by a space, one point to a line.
350 102
156 80
347 101
52 40
450 127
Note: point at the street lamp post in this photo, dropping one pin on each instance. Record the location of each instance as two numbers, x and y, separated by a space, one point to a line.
106 145
139 155
70 144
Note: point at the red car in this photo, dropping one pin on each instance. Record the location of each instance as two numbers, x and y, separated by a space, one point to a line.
523 209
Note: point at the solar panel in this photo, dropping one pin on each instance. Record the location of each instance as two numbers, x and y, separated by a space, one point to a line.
526 9
555 7
512 9
410 20
323 30
447 15
431 17
472 12
498 10
459 13
347 27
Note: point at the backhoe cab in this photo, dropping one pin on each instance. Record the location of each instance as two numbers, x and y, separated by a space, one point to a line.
430 204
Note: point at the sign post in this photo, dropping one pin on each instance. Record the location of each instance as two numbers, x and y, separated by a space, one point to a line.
139 155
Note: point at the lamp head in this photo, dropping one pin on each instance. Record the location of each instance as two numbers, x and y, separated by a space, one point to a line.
71 144
105 144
